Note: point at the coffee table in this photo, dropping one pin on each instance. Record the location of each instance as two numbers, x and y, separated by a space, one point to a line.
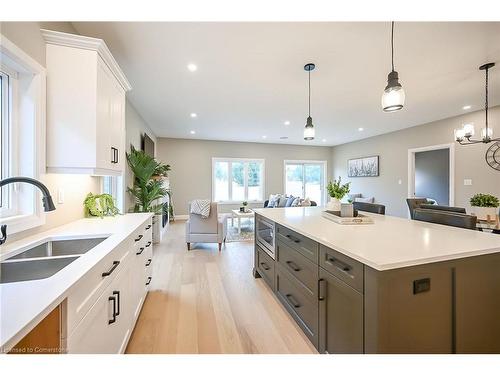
238 215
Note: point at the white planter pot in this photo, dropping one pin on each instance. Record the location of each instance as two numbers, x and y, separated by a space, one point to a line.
483 212
333 205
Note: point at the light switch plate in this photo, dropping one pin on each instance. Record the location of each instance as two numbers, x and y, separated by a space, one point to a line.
467 182
60 196
400 182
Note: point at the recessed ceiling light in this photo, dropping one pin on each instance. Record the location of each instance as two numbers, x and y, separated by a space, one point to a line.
361 129
192 67
287 122
323 140
193 115
466 107
192 132
264 136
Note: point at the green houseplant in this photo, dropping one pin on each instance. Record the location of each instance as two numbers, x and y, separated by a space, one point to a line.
484 205
145 189
99 205
337 191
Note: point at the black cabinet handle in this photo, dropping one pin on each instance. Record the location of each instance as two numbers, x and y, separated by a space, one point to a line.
149 226
292 301
292 238
148 263
338 264
115 264
321 283
149 280
113 319
293 266
148 244
140 252
139 238
117 294
116 156
265 266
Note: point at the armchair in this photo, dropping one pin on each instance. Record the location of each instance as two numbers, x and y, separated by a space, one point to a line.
210 230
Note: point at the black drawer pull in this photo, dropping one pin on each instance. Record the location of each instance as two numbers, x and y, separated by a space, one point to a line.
292 301
149 226
113 319
338 264
265 266
140 251
149 280
148 244
115 264
293 266
117 294
292 238
321 283
148 263
139 238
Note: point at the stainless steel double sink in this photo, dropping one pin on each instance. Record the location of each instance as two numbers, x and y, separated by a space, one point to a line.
45 260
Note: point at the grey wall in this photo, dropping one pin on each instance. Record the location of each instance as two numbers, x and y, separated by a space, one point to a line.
191 161
432 179
393 151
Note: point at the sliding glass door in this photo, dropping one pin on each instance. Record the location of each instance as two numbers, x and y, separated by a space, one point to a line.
306 179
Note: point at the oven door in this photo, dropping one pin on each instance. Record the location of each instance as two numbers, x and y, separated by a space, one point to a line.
265 235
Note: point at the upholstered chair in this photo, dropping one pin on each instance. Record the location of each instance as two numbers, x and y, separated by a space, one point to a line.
212 229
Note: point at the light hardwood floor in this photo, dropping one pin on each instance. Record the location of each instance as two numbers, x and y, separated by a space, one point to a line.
203 301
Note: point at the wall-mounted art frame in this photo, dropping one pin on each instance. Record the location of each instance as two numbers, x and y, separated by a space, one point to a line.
367 166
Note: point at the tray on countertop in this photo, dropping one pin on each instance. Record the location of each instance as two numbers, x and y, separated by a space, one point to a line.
357 220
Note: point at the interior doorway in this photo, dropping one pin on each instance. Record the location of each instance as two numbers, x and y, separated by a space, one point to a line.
431 173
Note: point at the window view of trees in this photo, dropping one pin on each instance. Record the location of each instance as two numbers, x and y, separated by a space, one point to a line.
246 178
305 180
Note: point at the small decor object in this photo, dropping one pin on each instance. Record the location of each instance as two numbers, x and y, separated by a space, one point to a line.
464 135
337 191
484 205
309 129
99 205
347 210
393 98
493 156
363 167
243 207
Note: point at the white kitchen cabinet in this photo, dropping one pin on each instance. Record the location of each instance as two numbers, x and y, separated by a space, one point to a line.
85 106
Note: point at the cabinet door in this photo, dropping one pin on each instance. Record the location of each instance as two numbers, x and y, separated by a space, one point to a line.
117 126
340 316
107 326
104 129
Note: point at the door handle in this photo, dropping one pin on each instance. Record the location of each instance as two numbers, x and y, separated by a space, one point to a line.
149 226
148 263
113 319
116 156
148 244
293 301
117 294
293 266
140 252
265 266
115 264
149 280
292 238
139 238
338 264
321 283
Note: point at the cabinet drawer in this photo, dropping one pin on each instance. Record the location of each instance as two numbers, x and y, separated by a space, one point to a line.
265 265
297 300
302 244
346 269
298 266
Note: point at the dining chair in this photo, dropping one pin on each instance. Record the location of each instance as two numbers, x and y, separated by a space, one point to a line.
459 210
369 207
415 203
453 219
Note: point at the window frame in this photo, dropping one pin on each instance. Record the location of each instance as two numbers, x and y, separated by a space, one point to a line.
245 162
324 163
116 190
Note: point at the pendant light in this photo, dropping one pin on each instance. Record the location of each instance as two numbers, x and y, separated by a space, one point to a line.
464 135
393 98
309 129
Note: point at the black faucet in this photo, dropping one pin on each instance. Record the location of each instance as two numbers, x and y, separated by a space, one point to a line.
48 204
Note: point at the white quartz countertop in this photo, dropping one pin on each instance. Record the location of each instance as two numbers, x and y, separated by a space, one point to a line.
24 304
390 242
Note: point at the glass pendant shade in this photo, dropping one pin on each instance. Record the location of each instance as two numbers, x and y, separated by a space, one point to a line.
487 135
459 134
468 130
393 98
309 130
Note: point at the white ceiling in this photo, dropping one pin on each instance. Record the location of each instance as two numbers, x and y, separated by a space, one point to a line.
250 76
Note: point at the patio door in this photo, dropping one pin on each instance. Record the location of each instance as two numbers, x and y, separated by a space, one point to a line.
306 179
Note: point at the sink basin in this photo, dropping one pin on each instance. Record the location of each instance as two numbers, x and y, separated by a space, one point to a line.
25 270
60 248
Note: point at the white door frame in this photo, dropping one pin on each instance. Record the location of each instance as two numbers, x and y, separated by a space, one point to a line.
411 168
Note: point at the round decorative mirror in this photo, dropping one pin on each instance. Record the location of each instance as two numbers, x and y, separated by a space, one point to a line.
493 156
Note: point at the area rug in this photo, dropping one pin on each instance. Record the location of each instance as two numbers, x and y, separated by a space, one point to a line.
246 230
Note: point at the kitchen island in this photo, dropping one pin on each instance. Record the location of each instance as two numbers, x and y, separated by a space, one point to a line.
394 286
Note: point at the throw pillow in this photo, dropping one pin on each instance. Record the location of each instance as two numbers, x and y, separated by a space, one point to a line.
306 202
296 202
289 201
282 201
273 200
366 200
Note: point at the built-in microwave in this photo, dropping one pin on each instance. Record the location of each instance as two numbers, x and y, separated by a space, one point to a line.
265 232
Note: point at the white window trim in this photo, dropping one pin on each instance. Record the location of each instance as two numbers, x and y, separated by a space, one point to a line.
325 177
220 159
13 56
118 191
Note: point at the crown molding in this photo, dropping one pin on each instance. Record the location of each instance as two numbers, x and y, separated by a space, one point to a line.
93 44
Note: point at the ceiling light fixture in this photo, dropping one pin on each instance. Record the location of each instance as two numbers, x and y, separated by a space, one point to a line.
192 132
309 129
361 129
393 98
323 140
464 135
287 122
466 107
193 115
192 67
264 136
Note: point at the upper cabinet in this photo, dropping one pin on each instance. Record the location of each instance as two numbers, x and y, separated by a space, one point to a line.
85 106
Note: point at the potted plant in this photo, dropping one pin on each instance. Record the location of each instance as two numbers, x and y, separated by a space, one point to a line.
484 205
99 205
243 207
337 191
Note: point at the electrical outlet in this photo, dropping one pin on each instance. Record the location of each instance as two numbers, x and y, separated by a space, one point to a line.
60 196
467 182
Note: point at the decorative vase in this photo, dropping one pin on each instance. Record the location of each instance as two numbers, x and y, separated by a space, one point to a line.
334 205
347 210
483 212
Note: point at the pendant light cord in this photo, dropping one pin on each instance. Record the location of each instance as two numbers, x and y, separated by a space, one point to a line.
486 103
392 45
309 93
